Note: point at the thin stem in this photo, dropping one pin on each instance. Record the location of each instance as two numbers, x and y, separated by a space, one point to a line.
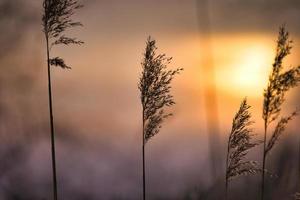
51 124
144 176
264 163
226 178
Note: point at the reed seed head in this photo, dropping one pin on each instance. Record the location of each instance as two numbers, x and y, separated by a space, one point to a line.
155 89
240 143
57 18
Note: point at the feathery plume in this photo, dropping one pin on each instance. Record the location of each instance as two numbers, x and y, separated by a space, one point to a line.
274 96
155 89
239 144
155 86
57 18
279 129
279 82
59 62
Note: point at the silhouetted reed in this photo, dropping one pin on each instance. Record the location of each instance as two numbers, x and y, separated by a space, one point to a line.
239 144
56 20
274 96
155 88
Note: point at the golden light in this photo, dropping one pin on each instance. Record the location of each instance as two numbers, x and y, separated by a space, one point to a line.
251 67
243 65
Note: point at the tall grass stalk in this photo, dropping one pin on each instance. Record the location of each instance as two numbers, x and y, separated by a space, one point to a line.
239 144
155 94
274 96
56 20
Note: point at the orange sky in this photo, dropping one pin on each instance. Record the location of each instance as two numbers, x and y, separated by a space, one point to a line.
106 68
99 100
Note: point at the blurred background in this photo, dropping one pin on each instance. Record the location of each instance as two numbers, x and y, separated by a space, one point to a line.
227 49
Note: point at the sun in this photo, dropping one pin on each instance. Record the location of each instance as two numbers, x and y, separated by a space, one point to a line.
243 67
251 68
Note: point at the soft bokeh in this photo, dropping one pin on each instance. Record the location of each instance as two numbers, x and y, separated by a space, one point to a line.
229 44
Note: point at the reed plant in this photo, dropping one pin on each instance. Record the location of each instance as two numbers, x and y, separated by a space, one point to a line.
240 142
57 18
155 94
280 82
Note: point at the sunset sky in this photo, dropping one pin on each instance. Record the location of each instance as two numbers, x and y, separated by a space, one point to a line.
97 103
